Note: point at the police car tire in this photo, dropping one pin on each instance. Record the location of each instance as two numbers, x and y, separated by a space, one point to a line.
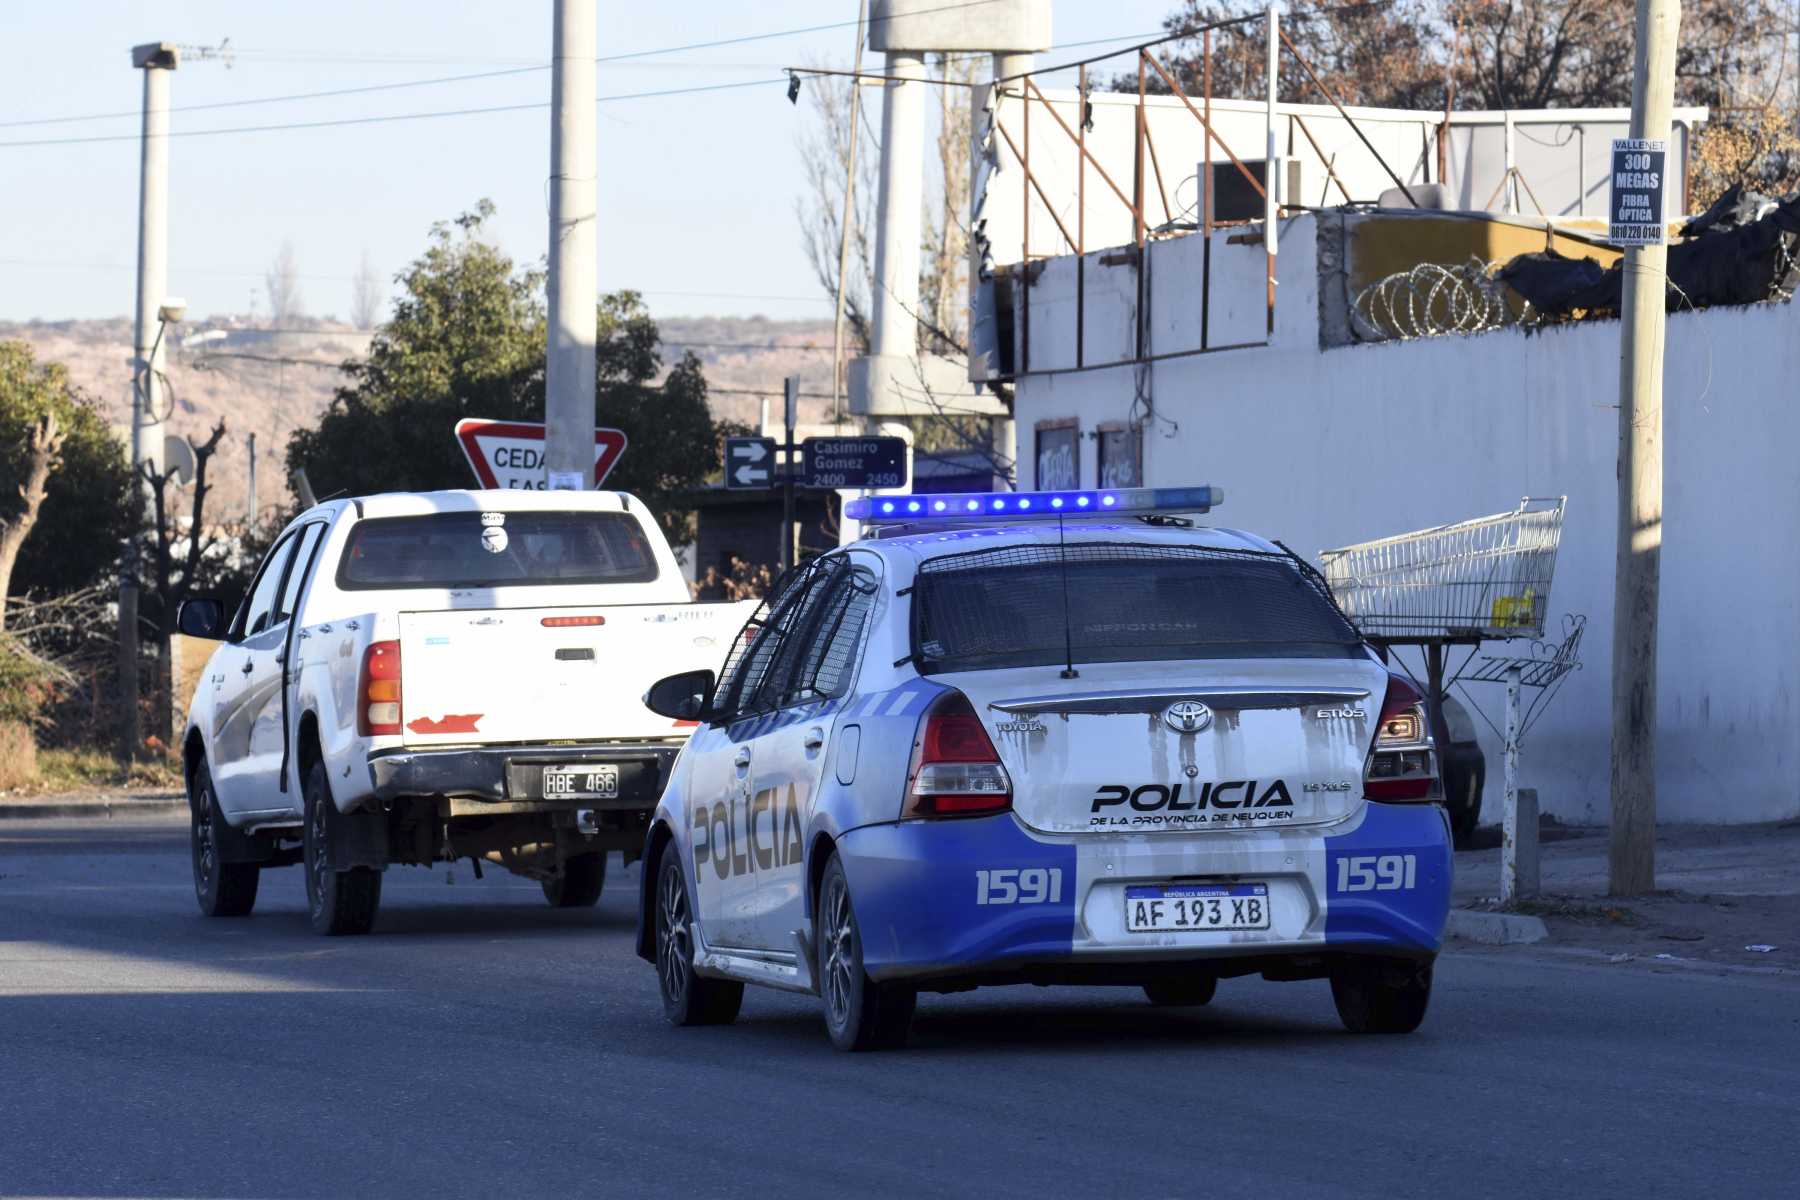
702 1001
877 1016
1382 997
1181 993
223 889
583 875
337 902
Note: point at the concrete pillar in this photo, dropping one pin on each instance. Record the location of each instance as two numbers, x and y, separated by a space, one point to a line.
1006 66
899 208
573 284
156 61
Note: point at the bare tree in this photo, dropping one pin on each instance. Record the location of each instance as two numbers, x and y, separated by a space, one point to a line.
176 560
43 445
365 294
825 161
282 282
943 290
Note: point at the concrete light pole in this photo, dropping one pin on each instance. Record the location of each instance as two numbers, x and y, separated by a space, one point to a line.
573 283
1632 850
155 60
893 327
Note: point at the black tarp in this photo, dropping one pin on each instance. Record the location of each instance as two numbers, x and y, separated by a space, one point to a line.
1739 251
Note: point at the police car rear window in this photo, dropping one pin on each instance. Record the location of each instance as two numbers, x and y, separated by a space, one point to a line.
1124 602
491 549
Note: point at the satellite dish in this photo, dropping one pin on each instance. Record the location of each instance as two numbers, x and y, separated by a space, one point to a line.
178 459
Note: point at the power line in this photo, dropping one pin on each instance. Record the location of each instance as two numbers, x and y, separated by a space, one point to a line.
413 83
384 119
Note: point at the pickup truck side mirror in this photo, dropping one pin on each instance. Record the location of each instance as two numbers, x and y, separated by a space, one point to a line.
202 617
683 697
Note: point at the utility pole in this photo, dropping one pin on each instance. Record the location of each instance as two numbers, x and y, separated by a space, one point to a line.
155 60
573 283
1632 851
252 506
790 407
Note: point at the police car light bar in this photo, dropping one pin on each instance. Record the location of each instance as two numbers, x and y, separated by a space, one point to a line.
1031 505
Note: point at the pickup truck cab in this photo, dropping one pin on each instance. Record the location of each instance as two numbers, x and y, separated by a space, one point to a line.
426 677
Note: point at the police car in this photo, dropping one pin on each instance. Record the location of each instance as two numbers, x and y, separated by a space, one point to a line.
1052 738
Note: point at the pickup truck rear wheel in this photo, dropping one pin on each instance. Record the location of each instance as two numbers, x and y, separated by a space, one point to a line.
337 901
688 999
224 889
583 875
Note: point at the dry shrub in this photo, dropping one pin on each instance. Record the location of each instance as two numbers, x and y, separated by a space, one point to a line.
18 756
1755 146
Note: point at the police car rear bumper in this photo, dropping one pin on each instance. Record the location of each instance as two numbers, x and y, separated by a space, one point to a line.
987 900
513 775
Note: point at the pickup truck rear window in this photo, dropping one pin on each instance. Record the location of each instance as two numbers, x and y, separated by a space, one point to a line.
480 550
1123 602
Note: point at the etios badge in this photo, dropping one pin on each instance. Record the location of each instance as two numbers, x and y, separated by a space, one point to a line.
1187 716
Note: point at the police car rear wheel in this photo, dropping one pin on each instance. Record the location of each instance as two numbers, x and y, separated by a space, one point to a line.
583 875
1382 997
1181 993
860 1014
688 999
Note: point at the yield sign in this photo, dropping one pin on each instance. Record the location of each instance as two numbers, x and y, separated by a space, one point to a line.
510 454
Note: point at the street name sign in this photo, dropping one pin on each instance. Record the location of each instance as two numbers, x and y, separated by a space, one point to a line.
1635 207
853 462
510 454
749 462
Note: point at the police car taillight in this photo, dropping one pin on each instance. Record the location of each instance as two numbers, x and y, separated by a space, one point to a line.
955 770
1403 758
378 690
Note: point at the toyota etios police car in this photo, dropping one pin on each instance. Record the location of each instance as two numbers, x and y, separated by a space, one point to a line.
1046 737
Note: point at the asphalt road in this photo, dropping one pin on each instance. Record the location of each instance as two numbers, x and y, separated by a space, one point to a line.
480 1044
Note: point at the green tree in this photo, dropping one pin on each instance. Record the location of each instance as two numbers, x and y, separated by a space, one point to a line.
466 339
86 510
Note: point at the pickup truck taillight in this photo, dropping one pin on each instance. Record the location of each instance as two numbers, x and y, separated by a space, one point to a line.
955 770
378 690
1403 758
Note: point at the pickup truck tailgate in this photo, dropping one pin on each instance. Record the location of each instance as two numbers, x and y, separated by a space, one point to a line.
551 674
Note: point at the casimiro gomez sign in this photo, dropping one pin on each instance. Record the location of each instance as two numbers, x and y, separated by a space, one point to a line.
510 454
1635 210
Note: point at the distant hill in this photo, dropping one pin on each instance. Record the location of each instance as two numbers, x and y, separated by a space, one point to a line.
268 382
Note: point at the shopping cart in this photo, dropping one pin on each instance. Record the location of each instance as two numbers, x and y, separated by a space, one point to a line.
1479 580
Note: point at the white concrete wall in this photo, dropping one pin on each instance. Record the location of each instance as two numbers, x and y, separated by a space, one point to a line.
1324 448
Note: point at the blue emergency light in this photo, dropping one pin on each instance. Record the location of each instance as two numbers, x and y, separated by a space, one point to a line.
963 506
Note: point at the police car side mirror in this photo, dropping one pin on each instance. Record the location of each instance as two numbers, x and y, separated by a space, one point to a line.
201 617
683 697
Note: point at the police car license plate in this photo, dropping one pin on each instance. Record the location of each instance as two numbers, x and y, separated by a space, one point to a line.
1174 907
589 781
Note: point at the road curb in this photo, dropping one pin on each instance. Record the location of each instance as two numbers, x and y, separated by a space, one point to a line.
1495 929
100 811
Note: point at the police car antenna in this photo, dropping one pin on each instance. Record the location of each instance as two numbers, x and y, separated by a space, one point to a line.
1062 557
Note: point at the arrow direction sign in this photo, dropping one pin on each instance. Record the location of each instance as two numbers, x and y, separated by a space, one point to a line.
749 462
510 454
853 462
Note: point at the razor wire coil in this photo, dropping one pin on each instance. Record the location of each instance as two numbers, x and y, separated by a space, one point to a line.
1434 300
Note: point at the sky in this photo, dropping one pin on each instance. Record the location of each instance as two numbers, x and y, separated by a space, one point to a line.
697 192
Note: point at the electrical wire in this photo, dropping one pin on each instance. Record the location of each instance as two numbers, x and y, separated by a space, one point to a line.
520 70
390 117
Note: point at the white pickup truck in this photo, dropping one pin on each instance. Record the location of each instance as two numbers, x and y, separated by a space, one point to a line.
426 677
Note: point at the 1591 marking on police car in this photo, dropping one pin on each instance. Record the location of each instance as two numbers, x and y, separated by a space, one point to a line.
1178 907
1376 872
585 781
1023 885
